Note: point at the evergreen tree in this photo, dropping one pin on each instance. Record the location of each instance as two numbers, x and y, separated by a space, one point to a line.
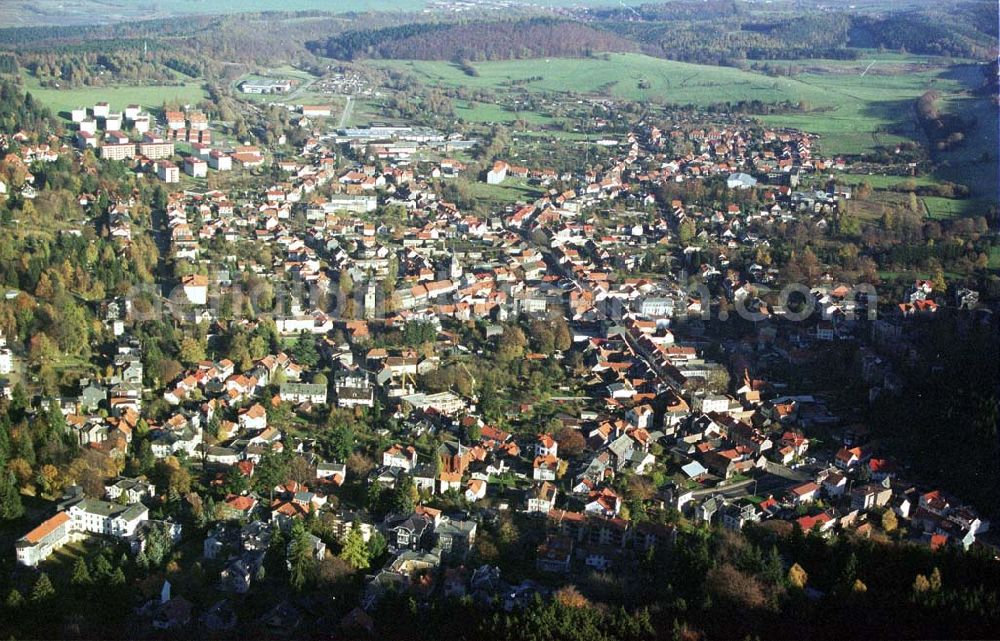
11 506
355 551
14 599
377 546
81 573
300 561
102 568
43 590
304 350
236 482
404 495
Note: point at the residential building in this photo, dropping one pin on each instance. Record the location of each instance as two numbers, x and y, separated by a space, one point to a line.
220 161
195 288
303 393
117 151
168 172
498 173
156 148
195 167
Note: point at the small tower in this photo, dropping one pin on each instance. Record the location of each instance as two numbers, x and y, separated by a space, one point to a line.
454 267
370 299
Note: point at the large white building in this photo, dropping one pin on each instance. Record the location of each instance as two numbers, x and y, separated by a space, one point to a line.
50 535
109 519
85 516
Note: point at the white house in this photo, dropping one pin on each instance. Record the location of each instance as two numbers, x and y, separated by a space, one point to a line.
398 456
253 418
542 498
740 181
134 490
6 356
195 288
498 173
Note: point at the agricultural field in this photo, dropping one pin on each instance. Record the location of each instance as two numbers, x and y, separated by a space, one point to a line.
852 113
61 101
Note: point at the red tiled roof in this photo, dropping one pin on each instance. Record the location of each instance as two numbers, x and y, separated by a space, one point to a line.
46 527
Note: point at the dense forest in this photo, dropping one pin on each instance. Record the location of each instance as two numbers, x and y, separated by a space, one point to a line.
964 33
503 40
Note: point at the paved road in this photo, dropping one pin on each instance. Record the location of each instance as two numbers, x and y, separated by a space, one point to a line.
344 117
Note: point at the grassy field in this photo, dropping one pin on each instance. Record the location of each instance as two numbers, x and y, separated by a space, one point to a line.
511 190
878 181
61 101
940 208
471 111
853 113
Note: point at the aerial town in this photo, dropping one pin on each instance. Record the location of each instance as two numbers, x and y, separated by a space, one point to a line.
275 369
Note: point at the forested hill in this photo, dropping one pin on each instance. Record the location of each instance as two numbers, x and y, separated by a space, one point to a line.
502 40
714 31
20 112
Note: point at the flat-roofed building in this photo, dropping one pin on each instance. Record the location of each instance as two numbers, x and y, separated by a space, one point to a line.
117 151
155 148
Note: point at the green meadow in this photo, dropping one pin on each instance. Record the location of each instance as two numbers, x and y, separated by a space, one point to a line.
852 113
61 101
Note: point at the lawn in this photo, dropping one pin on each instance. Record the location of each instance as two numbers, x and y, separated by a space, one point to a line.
511 190
852 113
878 181
471 111
61 101
941 208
